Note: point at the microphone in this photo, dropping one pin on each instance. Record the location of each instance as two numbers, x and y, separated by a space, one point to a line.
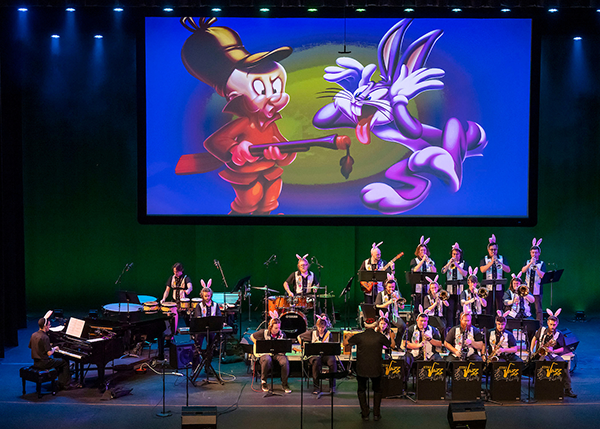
128 266
216 263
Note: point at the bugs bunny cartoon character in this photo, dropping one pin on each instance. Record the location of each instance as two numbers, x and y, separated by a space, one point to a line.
381 108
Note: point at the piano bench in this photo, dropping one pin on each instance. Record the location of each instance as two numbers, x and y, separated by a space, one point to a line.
39 376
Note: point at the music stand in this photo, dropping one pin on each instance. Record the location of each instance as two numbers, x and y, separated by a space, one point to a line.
206 325
551 277
494 283
415 278
273 347
372 276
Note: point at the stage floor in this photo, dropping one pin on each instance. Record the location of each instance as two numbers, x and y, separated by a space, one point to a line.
239 402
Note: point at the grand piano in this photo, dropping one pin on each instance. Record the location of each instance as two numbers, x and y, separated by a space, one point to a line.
108 337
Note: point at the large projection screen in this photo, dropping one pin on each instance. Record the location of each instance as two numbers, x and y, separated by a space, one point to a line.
397 121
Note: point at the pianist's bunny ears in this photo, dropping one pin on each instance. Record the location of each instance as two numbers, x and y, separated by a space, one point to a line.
455 246
274 314
432 281
536 244
206 285
300 258
492 239
48 315
518 276
376 245
553 314
473 271
501 314
424 242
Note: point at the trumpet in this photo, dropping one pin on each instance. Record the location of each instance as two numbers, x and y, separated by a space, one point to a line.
482 292
523 290
443 295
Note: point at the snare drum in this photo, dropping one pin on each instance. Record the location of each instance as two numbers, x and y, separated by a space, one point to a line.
195 302
168 307
122 307
151 306
300 302
185 303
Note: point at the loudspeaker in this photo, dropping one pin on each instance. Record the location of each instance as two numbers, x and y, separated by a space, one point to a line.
467 415
198 417
180 355
571 340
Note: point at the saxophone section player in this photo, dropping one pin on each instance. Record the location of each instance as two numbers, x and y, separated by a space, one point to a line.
464 342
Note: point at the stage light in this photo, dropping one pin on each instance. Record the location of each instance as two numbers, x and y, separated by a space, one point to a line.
312 9
579 315
505 10
577 38
409 9
457 9
168 9
55 36
70 9
264 9
361 10
118 9
98 36
22 9
553 10
216 9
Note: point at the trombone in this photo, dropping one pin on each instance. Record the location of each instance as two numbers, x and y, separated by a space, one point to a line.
443 295
523 290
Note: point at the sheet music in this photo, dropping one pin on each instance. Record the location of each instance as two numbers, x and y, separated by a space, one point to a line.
75 327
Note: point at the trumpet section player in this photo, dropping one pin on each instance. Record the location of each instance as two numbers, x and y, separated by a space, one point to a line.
534 270
517 299
422 263
389 301
473 299
456 272
492 266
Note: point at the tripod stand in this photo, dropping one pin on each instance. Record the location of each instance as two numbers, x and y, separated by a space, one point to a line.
211 327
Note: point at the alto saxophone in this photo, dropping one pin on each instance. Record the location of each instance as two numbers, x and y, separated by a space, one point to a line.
493 357
464 351
543 350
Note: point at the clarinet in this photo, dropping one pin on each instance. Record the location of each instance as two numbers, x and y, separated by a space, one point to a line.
421 355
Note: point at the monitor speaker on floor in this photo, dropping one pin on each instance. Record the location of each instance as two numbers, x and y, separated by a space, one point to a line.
462 415
198 417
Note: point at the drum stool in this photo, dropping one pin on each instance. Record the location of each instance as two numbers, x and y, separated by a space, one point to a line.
39 376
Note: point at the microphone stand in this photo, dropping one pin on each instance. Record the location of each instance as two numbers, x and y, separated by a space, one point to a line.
164 413
345 295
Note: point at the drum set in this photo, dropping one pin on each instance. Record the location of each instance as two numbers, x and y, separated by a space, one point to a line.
292 310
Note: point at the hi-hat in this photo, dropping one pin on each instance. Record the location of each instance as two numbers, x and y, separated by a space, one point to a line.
326 296
264 288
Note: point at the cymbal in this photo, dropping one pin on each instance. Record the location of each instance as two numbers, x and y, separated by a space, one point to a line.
326 296
264 288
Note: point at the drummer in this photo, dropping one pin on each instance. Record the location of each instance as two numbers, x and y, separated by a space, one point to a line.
182 287
303 281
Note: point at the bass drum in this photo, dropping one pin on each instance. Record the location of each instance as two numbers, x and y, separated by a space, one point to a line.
293 323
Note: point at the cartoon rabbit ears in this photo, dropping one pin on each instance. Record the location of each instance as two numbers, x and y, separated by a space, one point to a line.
501 314
424 242
492 239
376 245
518 276
536 243
433 281
553 314
473 271
300 258
274 314
206 285
455 246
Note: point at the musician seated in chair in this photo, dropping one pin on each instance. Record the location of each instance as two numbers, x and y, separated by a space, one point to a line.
436 302
42 351
502 345
389 301
302 281
517 299
464 342
421 340
273 332
472 300
548 344
320 334
206 308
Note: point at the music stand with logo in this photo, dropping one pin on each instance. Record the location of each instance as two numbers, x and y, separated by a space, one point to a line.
273 347
206 325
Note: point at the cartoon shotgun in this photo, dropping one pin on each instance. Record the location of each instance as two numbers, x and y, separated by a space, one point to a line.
204 162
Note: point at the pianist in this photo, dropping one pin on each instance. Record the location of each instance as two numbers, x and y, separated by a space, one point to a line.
41 353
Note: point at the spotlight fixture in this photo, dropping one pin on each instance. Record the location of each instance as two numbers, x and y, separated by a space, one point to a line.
55 36
22 9
216 9
168 9
409 9
264 9
577 38
98 36
70 9
312 9
361 10
553 10
505 10
118 9
457 9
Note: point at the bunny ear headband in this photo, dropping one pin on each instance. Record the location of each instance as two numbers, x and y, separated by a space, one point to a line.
47 315
423 241
422 312
274 314
492 239
536 244
206 285
501 314
432 281
553 314
518 276
466 309
473 272
376 245
301 257
383 315
455 246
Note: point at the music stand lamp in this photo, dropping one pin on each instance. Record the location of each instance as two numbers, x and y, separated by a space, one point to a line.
551 277
273 347
206 325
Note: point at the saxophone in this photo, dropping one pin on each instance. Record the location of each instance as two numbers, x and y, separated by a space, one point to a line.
464 351
543 350
493 356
